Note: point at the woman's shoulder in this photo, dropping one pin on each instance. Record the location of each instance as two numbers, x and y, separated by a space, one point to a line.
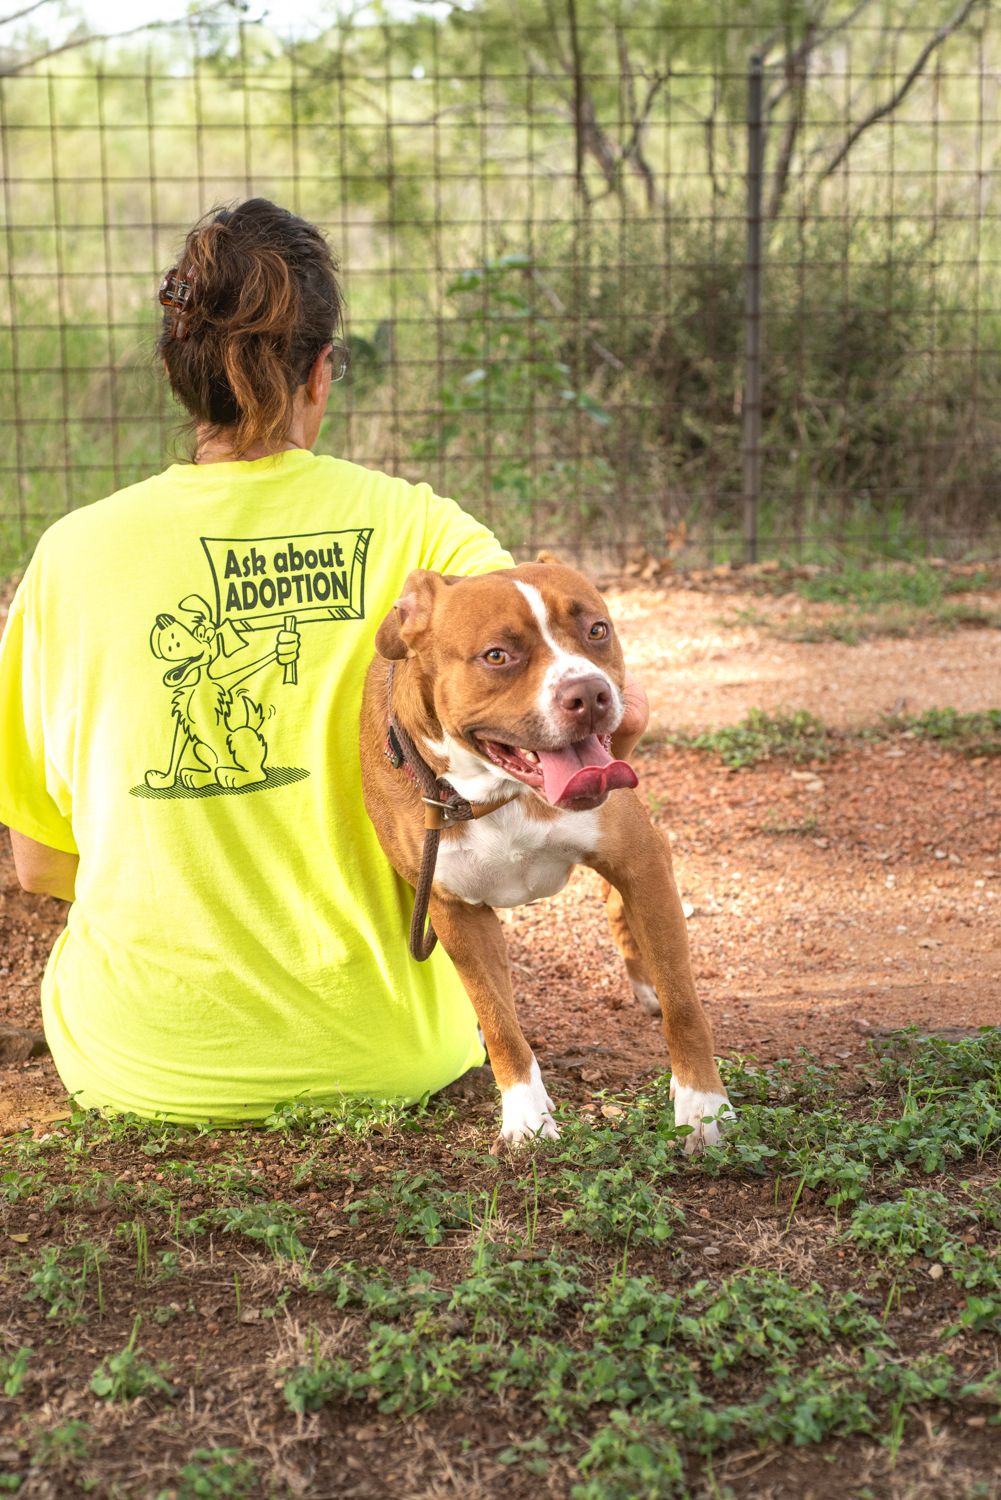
98 519
389 489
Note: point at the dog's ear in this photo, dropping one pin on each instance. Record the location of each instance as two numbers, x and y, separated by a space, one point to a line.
401 630
550 557
195 605
389 641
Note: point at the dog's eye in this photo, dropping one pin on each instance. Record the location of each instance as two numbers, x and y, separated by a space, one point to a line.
598 631
495 657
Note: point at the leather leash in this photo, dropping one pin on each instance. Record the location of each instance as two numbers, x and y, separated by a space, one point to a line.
443 806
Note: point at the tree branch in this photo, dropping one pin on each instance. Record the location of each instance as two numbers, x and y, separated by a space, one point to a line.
813 41
632 151
880 112
578 93
21 65
798 73
19 15
565 61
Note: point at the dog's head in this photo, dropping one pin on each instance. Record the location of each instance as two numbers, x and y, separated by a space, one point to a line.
525 672
191 646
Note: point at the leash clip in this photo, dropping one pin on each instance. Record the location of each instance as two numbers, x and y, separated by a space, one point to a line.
439 814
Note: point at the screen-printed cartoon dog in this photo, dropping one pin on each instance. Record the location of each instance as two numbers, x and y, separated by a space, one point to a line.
217 733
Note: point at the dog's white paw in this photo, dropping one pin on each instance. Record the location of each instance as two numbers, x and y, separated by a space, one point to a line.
526 1112
703 1111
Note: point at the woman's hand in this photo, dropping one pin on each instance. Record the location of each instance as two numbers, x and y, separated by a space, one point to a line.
634 720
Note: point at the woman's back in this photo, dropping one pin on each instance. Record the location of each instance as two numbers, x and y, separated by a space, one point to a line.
190 655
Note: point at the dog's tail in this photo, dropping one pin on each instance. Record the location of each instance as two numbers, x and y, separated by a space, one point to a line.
251 716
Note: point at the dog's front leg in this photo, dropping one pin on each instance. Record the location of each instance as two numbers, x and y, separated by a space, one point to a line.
159 779
473 939
640 869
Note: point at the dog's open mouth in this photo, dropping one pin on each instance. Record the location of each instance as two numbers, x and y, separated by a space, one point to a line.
575 778
178 673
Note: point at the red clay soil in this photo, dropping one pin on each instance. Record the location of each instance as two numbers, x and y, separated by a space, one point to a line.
707 655
829 903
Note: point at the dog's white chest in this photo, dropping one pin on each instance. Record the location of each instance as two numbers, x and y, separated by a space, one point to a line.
506 858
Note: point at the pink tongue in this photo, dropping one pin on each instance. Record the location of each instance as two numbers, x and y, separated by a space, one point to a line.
584 771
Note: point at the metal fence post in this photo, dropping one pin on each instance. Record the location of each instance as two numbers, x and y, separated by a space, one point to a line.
752 310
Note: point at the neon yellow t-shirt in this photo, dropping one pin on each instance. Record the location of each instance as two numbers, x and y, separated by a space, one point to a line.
238 937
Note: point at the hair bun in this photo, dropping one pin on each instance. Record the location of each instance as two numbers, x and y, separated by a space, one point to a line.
266 303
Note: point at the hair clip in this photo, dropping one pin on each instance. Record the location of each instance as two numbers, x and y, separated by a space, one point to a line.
175 293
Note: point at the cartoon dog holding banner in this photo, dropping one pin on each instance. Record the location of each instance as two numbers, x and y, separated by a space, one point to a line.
214 720
266 586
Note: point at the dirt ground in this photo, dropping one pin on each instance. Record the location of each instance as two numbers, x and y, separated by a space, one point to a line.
828 902
707 655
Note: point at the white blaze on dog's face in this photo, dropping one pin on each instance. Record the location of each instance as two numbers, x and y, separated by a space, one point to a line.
525 673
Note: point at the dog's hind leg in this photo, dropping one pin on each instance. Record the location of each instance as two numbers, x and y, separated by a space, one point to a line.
249 753
627 945
474 941
248 748
203 773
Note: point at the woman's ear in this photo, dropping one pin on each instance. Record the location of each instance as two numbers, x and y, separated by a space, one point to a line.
318 379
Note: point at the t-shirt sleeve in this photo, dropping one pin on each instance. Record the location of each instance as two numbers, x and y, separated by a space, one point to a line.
34 797
455 543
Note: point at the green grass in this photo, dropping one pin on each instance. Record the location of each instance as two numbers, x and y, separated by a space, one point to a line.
63 1278
919 586
127 1374
796 736
13 1371
66 1443
274 1225
972 733
894 621
604 1290
802 738
418 1204
214 1474
895 601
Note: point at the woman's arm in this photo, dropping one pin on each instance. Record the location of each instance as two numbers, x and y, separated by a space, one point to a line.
44 871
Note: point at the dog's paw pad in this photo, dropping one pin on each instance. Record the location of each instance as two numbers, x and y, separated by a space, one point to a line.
703 1111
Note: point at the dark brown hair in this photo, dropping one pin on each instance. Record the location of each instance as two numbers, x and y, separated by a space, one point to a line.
263 302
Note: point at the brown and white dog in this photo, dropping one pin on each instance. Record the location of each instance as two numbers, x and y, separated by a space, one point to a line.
510 685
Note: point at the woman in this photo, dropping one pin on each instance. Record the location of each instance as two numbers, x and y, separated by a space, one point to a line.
180 681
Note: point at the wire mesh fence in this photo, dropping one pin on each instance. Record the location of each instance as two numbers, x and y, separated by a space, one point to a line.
595 291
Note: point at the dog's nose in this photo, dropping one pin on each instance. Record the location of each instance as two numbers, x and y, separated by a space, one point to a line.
586 699
162 621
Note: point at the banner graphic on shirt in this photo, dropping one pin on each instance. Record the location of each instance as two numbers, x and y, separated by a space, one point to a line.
260 582
222 662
